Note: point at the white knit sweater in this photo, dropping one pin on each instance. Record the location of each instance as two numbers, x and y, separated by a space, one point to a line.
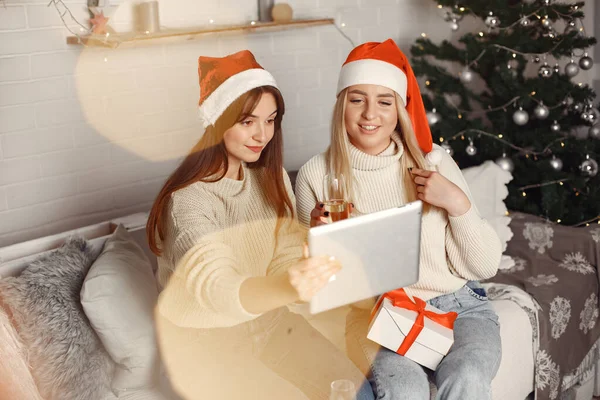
217 235
454 250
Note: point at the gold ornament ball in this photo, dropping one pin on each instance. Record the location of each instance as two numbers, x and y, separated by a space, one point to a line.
282 12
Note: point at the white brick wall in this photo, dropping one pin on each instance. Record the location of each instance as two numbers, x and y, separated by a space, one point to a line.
88 134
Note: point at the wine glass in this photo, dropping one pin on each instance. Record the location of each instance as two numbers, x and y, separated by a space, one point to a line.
335 197
342 389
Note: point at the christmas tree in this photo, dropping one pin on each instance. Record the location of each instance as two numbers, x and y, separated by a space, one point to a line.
509 92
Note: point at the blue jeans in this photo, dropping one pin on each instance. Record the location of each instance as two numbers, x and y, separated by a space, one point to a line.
465 373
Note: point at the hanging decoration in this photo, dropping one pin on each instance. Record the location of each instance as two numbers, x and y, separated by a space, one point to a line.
541 111
586 62
433 117
589 167
471 149
505 163
521 117
556 163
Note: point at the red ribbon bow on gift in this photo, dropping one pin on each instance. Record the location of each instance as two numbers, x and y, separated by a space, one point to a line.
399 298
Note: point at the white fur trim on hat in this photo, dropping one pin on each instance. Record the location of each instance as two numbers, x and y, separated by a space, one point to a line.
233 87
373 72
434 157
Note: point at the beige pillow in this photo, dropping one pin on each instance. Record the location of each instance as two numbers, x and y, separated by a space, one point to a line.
118 296
487 183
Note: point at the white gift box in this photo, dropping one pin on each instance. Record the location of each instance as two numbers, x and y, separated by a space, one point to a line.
390 325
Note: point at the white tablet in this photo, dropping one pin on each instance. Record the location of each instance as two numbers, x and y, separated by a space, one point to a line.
379 252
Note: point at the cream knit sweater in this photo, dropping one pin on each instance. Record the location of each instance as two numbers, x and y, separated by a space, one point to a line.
217 235
453 249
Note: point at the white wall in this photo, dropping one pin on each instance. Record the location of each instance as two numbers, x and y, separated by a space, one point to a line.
87 134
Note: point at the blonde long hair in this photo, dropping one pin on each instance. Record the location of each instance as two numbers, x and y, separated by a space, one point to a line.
338 153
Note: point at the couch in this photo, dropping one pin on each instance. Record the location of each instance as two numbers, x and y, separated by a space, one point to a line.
515 378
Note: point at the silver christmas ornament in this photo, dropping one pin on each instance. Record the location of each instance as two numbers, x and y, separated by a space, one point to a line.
505 163
525 21
571 69
512 63
471 149
592 116
556 69
589 167
577 107
586 62
448 148
555 127
556 163
545 71
541 111
537 59
595 132
570 26
585 116
433 117
545 22
492 21
466 76
451 16
454 26
520 117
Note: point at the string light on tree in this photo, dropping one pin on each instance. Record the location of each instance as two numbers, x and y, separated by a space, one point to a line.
594 132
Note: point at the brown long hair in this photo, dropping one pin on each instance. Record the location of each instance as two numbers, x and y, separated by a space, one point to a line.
208 162
338 154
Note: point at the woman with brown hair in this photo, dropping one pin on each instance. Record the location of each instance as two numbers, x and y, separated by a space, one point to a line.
230 254
382 145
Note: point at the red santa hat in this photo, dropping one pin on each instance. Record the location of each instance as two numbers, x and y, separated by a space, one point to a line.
224 79
384 64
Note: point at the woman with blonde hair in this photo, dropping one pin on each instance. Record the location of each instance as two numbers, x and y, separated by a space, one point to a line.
381 144
230 254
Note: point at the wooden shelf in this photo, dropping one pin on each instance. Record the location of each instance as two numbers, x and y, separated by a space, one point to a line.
116 39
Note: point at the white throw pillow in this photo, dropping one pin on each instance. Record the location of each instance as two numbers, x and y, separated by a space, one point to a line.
487 183
118 296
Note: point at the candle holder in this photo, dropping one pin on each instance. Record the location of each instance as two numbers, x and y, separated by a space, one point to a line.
146 15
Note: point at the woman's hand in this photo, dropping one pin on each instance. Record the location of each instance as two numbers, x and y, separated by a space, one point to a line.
435 189
311 274
318 216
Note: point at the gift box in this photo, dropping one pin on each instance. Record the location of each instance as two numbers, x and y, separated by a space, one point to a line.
412 328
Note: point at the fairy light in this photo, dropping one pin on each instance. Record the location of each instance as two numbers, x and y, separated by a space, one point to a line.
107 34
533 93
424 35
462 9
500 136
524 194
560 183
558 221
343 24
211 21
441 139
252 22
105 59
507 213
440 6
459 116
481 34
514 55
562 144
427 83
